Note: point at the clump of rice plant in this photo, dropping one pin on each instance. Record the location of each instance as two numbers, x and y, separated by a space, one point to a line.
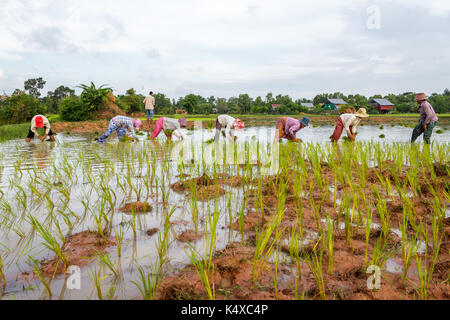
439 131
382 136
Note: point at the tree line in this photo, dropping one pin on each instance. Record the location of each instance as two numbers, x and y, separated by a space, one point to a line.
23 104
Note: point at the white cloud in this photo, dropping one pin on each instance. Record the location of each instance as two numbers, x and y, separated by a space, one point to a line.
194 44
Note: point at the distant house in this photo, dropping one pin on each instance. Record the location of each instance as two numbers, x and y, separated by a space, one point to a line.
383 105
275 107
333 104
214 110
181 111
308 105
3 97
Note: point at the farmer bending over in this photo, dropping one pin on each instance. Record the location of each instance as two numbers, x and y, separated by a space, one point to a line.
230 124
287 128
169 124
121 125
39 121
427 120
349 121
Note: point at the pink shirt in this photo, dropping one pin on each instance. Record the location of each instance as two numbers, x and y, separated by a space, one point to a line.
292 126
427 114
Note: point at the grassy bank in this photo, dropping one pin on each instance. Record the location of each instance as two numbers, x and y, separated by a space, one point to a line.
14 131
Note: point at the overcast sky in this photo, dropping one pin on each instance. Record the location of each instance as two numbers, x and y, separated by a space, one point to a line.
224 48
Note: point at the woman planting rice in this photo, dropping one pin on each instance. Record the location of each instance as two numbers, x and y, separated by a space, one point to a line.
427 121
287 128
121 125
169 126
349 121
230 124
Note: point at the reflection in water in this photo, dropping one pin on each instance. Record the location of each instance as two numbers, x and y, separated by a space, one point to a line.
39 153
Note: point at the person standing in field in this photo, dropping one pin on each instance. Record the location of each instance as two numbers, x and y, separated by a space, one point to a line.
427 120
287 128
121 125
149 103
230 124
349 121
40 121
169 126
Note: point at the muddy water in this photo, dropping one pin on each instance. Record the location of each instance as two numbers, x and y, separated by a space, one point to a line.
75 164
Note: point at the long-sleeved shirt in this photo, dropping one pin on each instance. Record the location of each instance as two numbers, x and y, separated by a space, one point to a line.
226 122
427 114
349 119
174 126
45 122
125 122
149 102
292 126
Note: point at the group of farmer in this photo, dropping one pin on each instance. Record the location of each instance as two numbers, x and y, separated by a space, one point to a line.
286 127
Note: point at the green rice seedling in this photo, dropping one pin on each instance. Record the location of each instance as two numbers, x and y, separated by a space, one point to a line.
2 275
315 265
330 238
146 285
408 247
368 225
95 278
425 268
275 277
105 260
49 241
119 235
204 271
38 272
381 252
439 131
264 247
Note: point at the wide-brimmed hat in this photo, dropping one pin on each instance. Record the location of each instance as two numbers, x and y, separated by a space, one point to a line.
39 122
305 121
421 97
182 122
137 123
238 124
362 113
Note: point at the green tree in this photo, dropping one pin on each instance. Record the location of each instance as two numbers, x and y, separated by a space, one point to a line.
190 102
20 108
93 97
130 102
34 86
53 98
244 103
163 105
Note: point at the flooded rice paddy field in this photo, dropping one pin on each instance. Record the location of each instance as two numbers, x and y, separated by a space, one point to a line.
158 220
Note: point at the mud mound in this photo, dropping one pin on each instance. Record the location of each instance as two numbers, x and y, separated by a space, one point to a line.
136 207
80 127
190 236
108 109
152 231
209 192
441 169
79 250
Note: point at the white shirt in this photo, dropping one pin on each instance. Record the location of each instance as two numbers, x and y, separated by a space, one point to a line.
149 102
227 122
349 119
45 122
174 126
